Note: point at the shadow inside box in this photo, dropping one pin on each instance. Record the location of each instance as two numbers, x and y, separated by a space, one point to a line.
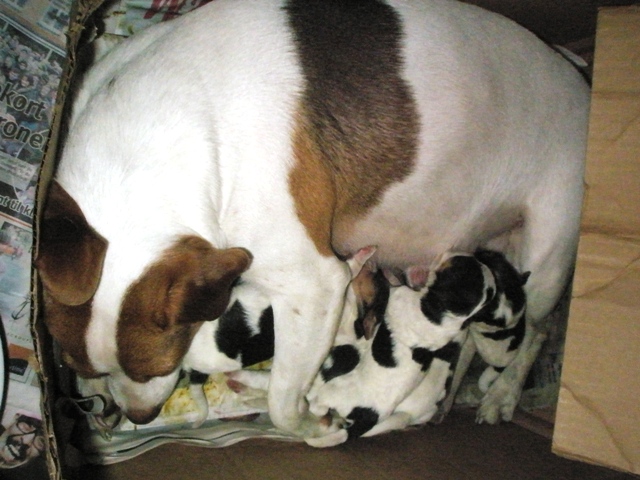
457 448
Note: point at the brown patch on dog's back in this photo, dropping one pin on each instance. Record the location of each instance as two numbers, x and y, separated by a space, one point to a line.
311 185
357 114
162 311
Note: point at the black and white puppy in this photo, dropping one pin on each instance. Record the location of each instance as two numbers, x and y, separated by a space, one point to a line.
398 377
495 333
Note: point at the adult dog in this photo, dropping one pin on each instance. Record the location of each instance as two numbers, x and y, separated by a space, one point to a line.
277 133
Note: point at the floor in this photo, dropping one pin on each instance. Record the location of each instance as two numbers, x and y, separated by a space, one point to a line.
456 449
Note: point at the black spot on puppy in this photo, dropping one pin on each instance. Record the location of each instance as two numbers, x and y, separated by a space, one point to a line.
344 358
198 378
457 289
232 331
449 353
260 347
423 357
516 333
363 419
234 336
382 347
508 280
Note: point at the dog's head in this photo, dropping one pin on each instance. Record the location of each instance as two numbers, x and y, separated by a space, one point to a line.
460 286
129 311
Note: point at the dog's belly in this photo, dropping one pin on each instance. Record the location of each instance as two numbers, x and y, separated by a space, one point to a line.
411 227
402 242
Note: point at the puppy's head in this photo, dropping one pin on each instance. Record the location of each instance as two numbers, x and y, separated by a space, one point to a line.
460 286
509 304
129 311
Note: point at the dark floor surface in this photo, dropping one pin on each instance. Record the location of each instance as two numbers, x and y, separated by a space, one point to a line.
455 450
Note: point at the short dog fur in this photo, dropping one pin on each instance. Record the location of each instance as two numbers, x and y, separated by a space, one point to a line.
262 138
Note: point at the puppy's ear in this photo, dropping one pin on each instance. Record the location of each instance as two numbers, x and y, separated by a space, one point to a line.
524 277
417 276
70 252
357 261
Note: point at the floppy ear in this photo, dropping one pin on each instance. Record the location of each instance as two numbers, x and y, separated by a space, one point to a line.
359 259
70 252
190 283
162 311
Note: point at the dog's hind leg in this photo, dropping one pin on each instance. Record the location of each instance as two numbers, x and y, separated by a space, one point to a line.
547 250
503 395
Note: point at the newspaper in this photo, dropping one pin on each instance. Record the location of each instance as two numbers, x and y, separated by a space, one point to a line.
31 54
227 418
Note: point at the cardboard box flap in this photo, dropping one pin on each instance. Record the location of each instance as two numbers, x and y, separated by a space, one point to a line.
598 409
613 164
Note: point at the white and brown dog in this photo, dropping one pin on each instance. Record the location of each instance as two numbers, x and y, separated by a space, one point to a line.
294 130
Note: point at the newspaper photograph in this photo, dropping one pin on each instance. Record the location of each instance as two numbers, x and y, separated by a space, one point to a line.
31 58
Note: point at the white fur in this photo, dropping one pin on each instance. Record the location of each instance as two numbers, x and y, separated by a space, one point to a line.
194 138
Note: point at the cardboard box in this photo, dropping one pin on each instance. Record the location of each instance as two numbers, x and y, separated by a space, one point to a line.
598 415
413 453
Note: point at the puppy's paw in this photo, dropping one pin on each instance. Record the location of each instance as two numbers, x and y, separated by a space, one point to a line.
331 440
247 379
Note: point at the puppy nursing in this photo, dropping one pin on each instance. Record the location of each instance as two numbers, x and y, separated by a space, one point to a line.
401 375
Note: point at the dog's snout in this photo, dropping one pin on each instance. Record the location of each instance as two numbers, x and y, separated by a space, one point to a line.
142 417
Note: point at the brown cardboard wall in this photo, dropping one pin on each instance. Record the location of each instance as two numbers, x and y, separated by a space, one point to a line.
598 417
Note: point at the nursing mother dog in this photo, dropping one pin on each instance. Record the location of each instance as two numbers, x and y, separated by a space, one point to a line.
271 138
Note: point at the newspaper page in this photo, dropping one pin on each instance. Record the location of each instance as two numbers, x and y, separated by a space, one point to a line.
31 54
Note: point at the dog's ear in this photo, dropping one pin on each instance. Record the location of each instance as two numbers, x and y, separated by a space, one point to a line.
163 310
70 252
357 261
190 283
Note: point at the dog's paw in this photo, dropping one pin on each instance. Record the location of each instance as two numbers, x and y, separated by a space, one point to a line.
335 425
499 403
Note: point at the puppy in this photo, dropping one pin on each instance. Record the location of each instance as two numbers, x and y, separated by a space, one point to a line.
495 333
277 134
410 355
